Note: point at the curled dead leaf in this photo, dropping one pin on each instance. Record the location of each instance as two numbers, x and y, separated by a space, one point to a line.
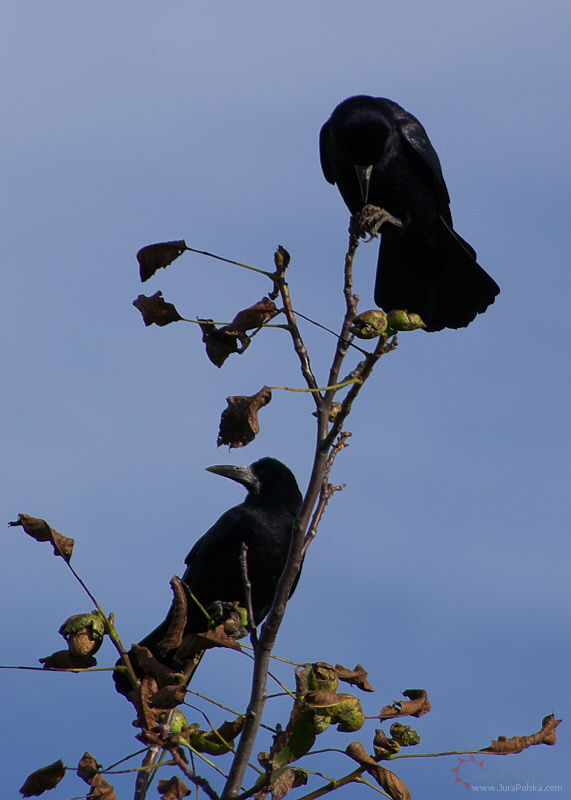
220 342
239 421
417 705
65 659
388 781
516 744
39 530
173 789
142 700
158 256
100 789
280 781
152 667
230 728
253 317
168 697
194 643
156 310
177 617
88 767
356 677
43 779
383 746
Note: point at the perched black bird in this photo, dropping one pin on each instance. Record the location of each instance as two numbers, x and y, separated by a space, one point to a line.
379 154
264 523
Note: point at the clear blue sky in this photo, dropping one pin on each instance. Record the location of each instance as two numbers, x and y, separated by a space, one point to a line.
444 564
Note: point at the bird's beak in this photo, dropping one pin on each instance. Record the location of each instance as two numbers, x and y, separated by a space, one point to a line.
364 177
243 475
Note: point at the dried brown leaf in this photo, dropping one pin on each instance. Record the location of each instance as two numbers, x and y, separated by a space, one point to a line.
155 309
173 789
151 666
356 677
178 617
43 779
279 781
417 705
221 342
168 697
88 767
324 699
101 790
64 659
383 746
194 643
231 728
390 782
239 421
252 317
516 744
148 715
39 530
157 256
283 783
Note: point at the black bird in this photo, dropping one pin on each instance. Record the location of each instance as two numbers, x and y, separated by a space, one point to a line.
379 154
264 522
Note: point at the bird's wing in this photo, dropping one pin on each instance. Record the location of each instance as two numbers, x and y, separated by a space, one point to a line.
423 154
467 247
212 544
326 165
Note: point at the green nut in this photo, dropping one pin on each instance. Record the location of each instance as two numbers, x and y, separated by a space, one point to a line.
402 320
83 633
370 324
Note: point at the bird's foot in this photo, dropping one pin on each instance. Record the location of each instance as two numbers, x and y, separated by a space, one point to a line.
370 221
233 616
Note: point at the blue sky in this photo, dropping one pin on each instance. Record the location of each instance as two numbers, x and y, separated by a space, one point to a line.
444 562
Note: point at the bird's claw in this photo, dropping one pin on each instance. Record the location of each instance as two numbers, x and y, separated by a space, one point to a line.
371 219
229 614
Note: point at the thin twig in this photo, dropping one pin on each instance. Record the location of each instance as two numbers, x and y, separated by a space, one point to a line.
319 390
197 780
109 629
230 261
327 490
248 594
299 346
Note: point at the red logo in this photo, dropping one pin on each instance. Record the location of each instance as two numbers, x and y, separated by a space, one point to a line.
466 761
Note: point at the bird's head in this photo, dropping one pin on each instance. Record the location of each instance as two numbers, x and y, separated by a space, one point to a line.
360 128
267 481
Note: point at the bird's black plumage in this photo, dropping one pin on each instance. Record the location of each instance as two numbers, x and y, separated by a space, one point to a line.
379 154
264 522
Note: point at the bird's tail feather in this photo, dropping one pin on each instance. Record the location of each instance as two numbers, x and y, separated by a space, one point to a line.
433 275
